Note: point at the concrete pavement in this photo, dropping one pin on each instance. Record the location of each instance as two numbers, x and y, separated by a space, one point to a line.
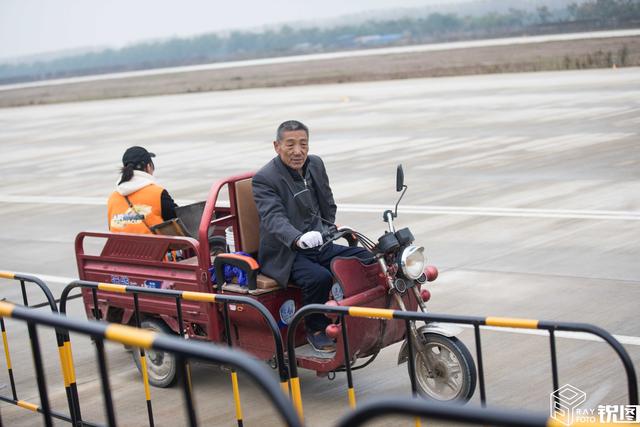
557 142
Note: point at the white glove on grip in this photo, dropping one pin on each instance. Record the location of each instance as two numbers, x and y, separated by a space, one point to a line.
310 239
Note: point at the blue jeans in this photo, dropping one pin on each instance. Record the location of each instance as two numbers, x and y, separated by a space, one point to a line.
311 271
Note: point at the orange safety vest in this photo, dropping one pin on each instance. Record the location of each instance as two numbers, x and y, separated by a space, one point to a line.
146 207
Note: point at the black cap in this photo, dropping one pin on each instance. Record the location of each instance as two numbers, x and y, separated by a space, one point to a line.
136 155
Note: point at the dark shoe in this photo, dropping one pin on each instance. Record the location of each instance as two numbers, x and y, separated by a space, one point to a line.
321 342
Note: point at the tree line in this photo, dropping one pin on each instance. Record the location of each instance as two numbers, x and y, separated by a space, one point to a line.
238 45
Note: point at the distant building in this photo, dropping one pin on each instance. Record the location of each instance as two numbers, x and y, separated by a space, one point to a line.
379 39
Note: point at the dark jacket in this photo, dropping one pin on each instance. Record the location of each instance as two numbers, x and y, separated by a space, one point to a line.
282 217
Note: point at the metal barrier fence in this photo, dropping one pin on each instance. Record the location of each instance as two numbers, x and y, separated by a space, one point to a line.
185 349
63 350
448 412
141 338
179 296
476 322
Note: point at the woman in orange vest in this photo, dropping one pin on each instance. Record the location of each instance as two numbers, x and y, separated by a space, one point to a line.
138 203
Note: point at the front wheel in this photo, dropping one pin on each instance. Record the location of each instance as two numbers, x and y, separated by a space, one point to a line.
162 367
445 370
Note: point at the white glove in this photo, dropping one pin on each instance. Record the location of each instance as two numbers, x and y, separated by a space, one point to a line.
310 239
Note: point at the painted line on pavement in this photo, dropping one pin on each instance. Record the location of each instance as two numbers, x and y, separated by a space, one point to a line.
582 336
65 200
47 278
368 208
493 211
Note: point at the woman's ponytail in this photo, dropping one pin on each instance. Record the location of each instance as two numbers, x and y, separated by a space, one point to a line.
127 172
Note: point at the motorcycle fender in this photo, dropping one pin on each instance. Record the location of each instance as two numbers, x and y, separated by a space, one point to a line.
444 329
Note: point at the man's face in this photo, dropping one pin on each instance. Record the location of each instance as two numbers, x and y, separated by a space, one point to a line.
293 148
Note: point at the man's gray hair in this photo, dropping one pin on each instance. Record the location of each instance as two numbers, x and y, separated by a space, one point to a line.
290 125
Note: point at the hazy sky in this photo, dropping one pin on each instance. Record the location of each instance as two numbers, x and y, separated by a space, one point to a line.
37 26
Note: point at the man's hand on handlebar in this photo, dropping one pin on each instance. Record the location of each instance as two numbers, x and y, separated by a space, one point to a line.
310 239
313 239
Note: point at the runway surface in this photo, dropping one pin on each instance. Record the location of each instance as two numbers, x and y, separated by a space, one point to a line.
523 188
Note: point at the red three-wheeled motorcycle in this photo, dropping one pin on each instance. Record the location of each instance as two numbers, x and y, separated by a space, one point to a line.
444 368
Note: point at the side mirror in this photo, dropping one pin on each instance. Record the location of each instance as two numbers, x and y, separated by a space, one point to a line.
400 187
399 179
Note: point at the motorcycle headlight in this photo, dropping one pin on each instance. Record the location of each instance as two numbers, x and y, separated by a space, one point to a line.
412 261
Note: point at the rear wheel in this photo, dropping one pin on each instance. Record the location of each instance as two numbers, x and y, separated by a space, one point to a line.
445 370
162 367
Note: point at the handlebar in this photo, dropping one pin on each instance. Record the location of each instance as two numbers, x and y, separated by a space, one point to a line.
333 234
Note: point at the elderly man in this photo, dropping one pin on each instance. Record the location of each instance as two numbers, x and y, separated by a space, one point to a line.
295 204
